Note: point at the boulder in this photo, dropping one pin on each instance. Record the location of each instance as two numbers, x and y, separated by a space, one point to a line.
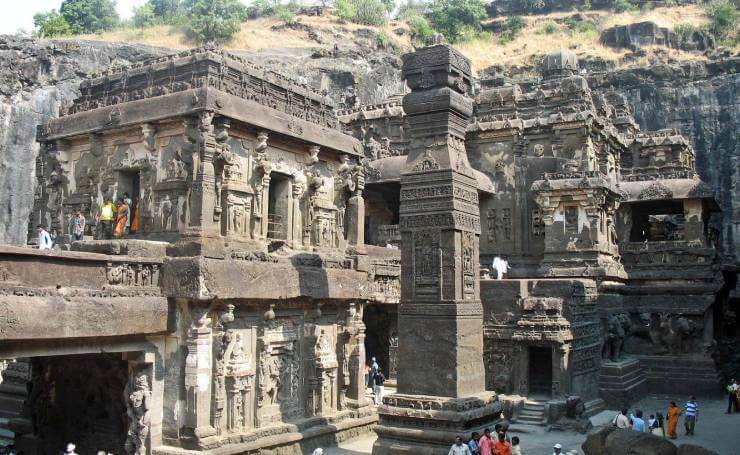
634 36
613 441
595 443
690 449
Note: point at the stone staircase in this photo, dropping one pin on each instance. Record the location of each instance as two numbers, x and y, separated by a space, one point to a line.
13 394
533 413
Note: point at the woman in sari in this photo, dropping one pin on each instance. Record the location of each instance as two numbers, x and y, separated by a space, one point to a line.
122 212
673 413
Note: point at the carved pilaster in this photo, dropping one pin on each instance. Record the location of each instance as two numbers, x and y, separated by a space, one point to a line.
200 134
198 372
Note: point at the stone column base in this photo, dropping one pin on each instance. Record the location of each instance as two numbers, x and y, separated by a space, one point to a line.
427 425
622 383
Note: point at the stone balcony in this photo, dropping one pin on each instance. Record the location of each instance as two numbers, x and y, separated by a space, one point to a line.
47 296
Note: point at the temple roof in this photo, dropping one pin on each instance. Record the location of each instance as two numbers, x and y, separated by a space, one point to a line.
665 189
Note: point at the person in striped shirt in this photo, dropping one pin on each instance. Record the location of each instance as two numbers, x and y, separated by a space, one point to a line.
691 414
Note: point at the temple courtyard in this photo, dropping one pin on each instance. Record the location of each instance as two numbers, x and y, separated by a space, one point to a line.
715 430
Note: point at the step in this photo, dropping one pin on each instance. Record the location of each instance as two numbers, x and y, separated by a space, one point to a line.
533 415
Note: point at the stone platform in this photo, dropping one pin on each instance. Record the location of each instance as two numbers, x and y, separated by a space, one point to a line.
686 375
425 425
622 383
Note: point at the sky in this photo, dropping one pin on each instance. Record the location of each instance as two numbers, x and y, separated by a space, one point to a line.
18 14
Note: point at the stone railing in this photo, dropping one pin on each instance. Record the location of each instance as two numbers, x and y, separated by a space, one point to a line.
571 175
667 245
389 232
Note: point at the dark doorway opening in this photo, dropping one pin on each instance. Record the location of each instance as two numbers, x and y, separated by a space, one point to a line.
277 207
381 336
129 182
540 370
77 398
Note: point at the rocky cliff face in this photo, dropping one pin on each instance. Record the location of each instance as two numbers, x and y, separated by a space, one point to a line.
701 100
36 78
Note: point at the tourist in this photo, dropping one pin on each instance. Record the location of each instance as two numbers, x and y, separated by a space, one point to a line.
122 212
638 424
458 448
692 414
621 420
515 447
502 446
673 413
485 443
44 239
736 386
129 205
557 449
501 266
473 443
656 427
379 379
105 219
732 396
367 375
77 226
70 449
318 451
389 245
499 428
373 369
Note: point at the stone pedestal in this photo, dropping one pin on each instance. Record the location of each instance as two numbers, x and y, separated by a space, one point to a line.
440 319
427 425
622 383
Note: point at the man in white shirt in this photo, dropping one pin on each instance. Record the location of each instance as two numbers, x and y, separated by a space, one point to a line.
557 449
621 420
458 448
45 242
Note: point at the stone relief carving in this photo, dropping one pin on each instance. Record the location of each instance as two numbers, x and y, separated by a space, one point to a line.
137 397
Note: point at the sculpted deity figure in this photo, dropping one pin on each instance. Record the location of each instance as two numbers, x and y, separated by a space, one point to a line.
138 397
269 377
176 168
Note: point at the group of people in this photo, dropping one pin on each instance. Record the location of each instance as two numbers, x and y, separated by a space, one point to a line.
656 423
375 379
114 220
119 219
500 444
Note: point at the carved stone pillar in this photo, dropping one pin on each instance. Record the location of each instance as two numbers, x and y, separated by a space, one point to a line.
297 222
356 328
198 371
440 319
200 133
355 218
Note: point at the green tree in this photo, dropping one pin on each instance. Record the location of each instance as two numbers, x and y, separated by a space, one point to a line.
344 9
723 18
144 16
389 5
214 20
51 24
456 19
89 16
285 15
165 9
421 32
370 12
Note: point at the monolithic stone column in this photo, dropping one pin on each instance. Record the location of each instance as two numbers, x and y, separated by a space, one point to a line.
441 378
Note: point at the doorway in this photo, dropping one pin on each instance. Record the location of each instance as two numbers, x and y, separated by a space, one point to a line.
540 370
277 207
129 182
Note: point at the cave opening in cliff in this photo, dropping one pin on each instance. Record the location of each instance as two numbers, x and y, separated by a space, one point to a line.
654 221
77 399
381 336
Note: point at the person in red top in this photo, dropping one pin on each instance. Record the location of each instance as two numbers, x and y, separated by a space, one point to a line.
485 443
502 446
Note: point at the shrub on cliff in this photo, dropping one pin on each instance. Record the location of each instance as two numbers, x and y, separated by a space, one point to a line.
367 12
51 24
214 20
89 16
422 33
723 19
457 19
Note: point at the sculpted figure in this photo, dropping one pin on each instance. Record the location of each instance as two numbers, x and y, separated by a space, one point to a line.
137 397
614 339
269 376
176 168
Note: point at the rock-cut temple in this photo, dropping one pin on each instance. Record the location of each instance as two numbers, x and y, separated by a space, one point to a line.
277 242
